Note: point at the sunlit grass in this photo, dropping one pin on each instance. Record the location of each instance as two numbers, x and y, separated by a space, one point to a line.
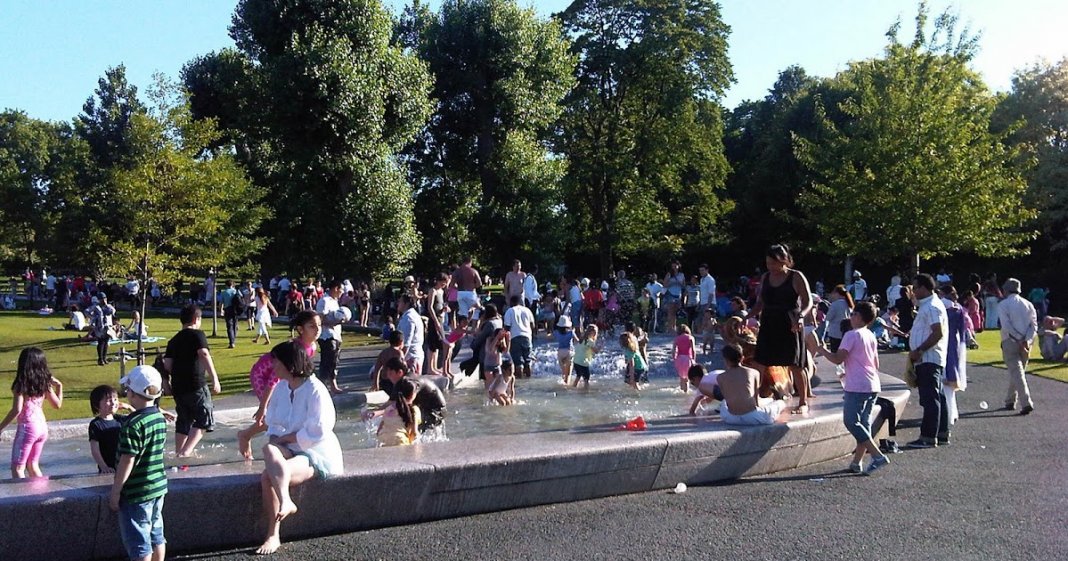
73 362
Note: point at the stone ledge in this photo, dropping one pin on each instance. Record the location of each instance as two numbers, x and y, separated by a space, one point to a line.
217 507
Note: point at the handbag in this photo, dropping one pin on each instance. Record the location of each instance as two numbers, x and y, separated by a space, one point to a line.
910 374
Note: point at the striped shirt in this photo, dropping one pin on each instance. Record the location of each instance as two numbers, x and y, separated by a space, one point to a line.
144 436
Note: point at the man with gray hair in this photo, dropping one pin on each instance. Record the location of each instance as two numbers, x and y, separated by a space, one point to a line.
1019 324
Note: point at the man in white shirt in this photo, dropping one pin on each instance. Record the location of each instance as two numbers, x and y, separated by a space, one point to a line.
330 338
520 322
929 344
411 326
859 288
530 290
1019 324
50 286
708 292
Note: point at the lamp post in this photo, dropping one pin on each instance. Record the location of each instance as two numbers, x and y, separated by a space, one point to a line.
214 303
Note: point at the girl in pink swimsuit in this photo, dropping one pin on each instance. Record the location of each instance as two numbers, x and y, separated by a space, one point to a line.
684 355
33 384
308 325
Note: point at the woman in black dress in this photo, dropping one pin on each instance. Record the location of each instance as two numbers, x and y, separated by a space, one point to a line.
783 300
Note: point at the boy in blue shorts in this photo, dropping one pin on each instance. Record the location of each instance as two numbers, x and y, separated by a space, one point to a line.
140 477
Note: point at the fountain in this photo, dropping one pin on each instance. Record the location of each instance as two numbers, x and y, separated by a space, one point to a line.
558 444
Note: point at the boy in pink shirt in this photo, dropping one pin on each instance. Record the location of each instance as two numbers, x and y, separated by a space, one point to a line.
859 352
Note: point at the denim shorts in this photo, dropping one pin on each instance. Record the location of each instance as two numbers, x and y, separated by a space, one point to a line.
856 414
141 527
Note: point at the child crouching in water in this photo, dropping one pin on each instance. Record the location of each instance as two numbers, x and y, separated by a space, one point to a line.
584 352
706 386
636 371
502 390
400 419
262 376
33 384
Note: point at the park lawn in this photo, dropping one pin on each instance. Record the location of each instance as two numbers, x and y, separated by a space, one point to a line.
73 362
989 354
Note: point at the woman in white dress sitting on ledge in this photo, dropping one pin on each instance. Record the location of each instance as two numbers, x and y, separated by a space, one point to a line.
300 423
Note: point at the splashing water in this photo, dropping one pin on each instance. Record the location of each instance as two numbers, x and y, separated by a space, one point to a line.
543 403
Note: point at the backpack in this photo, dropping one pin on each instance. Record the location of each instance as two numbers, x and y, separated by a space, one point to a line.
237 304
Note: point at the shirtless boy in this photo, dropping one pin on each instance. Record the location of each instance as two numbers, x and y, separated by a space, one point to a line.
739 384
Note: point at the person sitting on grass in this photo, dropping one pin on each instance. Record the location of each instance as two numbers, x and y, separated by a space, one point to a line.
77 321
1051 345
302 446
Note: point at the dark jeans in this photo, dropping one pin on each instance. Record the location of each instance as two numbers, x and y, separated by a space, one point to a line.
102 348
935 416
231 328
330 349
887 414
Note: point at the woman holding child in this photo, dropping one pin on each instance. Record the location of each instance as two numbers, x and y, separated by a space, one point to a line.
300 422
783 301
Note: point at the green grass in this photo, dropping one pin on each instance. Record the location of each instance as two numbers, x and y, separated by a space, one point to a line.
73 362
989 354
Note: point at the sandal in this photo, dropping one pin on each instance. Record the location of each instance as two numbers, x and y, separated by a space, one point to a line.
799 410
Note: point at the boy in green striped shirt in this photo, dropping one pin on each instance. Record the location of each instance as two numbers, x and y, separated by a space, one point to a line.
140 477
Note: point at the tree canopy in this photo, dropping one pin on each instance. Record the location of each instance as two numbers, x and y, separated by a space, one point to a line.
642 128
484 178
913 168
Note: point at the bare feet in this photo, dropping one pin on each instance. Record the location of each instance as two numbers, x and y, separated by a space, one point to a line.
800 410
285 509
269 546
244 444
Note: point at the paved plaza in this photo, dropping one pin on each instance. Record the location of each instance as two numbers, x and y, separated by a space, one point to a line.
998 492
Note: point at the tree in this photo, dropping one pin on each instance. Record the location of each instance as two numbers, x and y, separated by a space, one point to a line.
26 148
642 128
332 103
766 177
183 207
914 169
1035 113
79 191
485 180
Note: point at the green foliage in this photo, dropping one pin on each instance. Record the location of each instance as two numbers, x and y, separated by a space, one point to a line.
766 177
643 128
182 208
26 153
1036 115
485 180
912 168
319 103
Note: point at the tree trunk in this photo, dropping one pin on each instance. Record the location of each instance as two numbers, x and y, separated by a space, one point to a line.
144 302
214 307
914 265
848 272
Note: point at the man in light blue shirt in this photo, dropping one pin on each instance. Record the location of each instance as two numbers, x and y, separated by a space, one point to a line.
411 326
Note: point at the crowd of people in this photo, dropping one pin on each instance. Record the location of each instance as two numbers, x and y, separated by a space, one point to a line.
773 329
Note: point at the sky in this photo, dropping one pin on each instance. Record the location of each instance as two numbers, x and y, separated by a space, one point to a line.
54 51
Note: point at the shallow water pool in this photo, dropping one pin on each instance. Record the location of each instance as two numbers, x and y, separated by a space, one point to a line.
544 404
